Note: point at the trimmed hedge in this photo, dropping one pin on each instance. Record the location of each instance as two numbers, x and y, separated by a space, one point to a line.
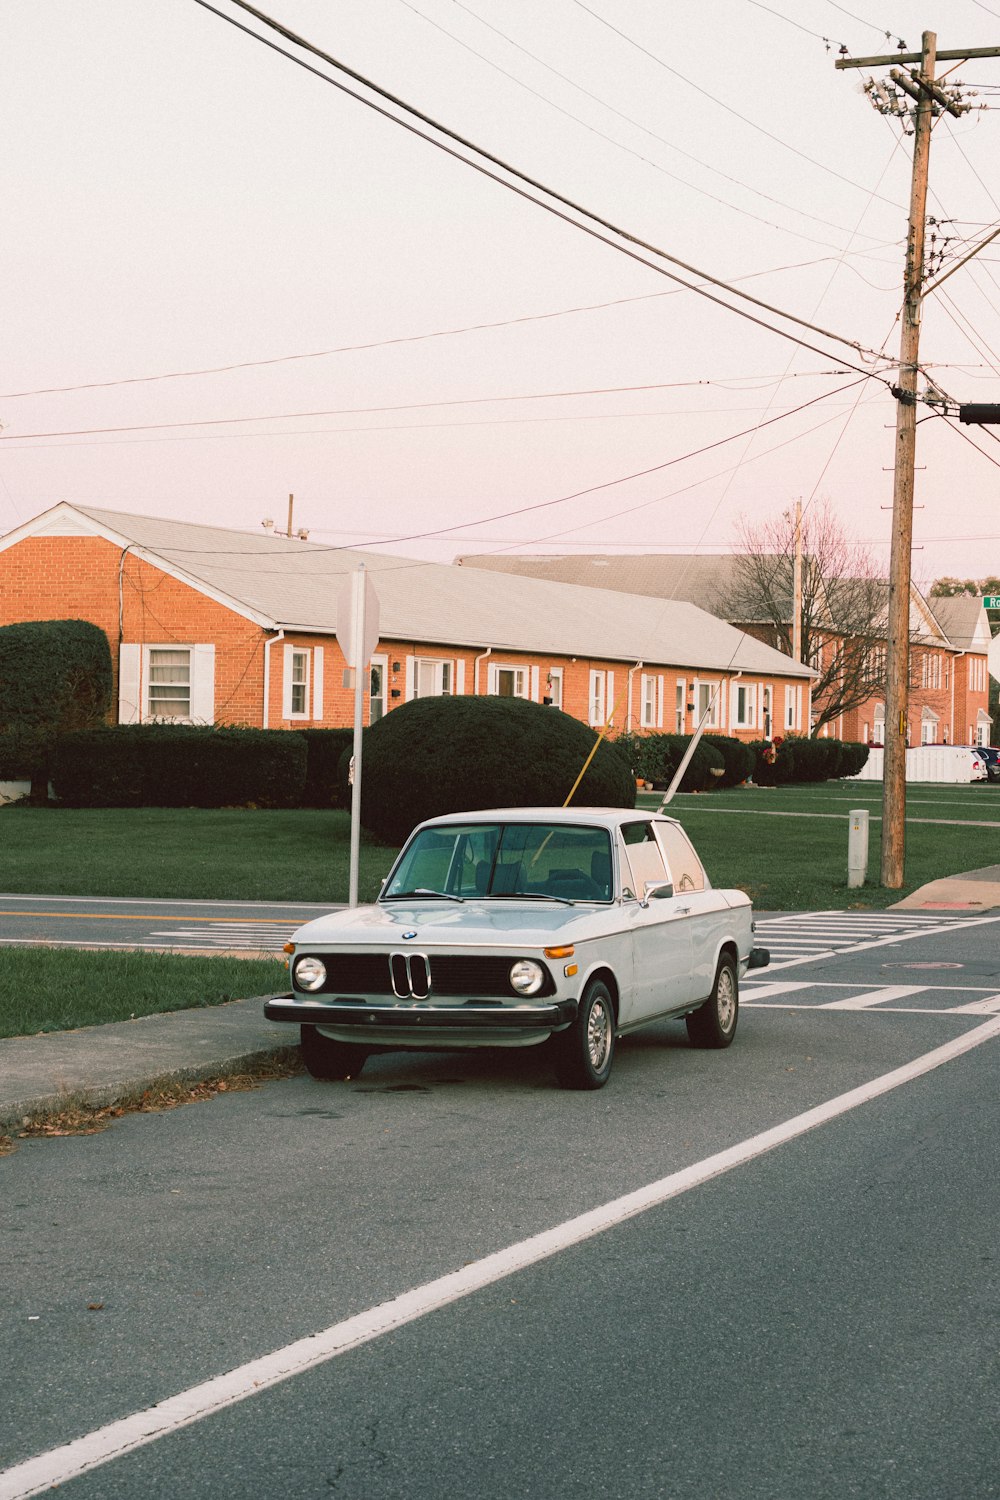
655 758
325 787
455 754
55 675
180 765
737 757
24 753
797 759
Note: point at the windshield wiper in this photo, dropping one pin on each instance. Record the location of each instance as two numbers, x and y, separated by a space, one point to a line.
528 896
423 892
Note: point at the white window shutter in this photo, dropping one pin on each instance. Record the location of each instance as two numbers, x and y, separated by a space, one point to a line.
129 664
460 675
410 675
317 676
659 702
534 684
287 653
203 684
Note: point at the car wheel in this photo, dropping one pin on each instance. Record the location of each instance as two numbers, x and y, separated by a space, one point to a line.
584 1052
327 1059
714 1023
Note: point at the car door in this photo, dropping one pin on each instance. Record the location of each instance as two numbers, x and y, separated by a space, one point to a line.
659 928
708 915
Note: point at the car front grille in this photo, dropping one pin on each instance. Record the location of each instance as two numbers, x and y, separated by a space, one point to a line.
419 976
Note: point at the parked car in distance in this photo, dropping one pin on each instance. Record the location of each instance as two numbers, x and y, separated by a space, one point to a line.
521 927
983 767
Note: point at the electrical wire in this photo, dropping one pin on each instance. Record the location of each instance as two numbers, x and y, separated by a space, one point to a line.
705 166
728 107
830 41
557 197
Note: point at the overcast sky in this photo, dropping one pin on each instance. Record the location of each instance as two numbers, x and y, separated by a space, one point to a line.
180 197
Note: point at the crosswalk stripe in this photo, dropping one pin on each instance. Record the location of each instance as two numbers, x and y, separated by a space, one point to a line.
880 996
988 1007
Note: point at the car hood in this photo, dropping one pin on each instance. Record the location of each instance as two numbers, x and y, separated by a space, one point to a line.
445 923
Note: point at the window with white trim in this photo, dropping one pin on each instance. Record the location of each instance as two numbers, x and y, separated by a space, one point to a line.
379 671
168 683
554 687
878 728
706 701
508 682
598 698
302 684
744 714
793 705
298 695
650 701
680 704
432 678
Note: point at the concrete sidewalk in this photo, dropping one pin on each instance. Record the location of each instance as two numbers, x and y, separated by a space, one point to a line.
101 1064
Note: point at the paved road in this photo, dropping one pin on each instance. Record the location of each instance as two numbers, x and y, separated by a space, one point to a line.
807 1314
190 926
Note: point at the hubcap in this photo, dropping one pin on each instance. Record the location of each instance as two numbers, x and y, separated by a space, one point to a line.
725 1000
598 1035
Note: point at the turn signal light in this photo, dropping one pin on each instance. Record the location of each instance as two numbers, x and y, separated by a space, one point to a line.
288 948
565 952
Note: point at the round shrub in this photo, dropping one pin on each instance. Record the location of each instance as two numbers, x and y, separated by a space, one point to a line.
854 757
456 754
737 757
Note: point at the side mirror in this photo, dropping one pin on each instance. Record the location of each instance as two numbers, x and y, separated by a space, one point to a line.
657 890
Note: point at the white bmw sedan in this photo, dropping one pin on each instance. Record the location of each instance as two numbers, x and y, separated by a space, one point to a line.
517 927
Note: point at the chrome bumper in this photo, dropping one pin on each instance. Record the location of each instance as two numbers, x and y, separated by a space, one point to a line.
421 1015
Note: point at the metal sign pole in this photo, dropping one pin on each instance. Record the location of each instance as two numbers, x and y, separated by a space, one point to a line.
358 600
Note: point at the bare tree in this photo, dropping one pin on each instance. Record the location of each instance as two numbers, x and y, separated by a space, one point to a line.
843 611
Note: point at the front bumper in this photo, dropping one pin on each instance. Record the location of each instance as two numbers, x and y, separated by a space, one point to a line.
417 1017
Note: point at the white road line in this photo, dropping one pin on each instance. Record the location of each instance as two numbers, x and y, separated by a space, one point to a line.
881 996
169 901
883 942
779 987
60 1465
988 1007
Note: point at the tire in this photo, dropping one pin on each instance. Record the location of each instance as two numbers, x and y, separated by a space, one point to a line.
583 1054
329 1060
714 1023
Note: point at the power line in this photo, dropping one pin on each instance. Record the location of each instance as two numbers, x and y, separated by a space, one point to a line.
791 208
279 416
625 235
728 107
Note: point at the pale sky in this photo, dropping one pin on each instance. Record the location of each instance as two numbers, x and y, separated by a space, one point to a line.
180 197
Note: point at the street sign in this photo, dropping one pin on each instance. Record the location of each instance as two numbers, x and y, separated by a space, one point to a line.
349 609
991 601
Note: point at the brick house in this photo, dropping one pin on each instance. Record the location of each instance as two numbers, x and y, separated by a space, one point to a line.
214 625
950 638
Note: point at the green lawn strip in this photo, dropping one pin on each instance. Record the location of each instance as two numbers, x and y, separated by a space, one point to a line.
48 989
229 854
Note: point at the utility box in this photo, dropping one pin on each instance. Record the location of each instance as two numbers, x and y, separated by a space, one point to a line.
857 848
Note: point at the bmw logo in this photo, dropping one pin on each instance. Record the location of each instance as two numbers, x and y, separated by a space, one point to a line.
409 935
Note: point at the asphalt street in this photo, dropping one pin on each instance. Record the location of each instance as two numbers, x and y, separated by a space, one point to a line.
816 1319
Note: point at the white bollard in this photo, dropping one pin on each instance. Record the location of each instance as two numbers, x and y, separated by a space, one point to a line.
857 848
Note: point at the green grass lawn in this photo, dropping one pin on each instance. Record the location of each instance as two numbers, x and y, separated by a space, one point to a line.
48 989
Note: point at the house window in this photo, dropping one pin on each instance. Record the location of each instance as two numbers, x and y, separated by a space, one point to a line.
878 728
298 702
598 698
168 688
707 703
376 689
744 705
432 678
651 697
554 687
509 682
793 706
680 705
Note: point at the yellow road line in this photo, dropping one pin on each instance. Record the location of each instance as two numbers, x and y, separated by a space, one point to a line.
110 916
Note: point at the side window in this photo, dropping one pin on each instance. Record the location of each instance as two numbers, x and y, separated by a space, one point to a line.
686 869
642 855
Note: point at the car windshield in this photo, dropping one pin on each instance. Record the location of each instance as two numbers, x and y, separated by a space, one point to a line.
506 860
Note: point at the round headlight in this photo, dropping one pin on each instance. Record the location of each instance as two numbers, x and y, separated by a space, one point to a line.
309 974
526 976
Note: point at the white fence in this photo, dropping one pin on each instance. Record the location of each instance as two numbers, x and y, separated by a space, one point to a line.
923 763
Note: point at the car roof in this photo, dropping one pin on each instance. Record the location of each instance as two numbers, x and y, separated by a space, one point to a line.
600 817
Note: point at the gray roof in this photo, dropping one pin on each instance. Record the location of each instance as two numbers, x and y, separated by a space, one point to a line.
701 580
963 620
282 581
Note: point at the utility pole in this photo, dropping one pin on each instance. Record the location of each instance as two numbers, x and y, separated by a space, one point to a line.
930 99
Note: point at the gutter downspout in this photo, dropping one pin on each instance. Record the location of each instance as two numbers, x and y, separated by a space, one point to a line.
273 641
475 670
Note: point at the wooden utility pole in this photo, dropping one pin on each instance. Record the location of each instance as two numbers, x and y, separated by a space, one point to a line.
930 100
